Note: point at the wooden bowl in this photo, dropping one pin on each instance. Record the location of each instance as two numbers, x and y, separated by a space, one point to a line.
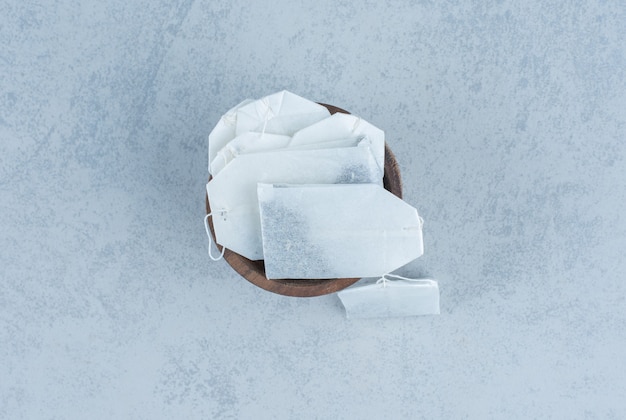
254 271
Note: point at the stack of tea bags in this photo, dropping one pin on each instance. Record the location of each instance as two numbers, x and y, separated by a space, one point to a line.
302 190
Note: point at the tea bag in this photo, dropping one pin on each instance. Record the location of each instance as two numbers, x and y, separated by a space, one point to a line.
252 142
335 231
249 142
233 192
391 296
224 131
281 113
342 126
347 142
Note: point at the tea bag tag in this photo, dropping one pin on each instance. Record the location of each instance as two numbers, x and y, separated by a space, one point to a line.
392 296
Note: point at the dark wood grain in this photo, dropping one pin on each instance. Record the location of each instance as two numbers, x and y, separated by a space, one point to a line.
254 271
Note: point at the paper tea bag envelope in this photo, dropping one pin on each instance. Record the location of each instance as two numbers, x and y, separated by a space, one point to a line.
395 298
339 126
248 142
233 192
281 113
251 142
224 131
336 231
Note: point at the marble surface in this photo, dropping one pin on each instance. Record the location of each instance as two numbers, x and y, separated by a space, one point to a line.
508 120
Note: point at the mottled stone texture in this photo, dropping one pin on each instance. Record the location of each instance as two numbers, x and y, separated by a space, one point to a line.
508 120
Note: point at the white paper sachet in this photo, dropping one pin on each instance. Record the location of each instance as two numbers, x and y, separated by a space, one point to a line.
280 113
224 131
341 125
252 142
233 192
391 298
336 231
331 144
249 142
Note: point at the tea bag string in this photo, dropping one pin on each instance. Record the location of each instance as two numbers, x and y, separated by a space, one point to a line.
208 234
357 122
269 113
390 278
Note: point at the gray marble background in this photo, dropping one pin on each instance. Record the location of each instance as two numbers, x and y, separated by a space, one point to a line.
508 120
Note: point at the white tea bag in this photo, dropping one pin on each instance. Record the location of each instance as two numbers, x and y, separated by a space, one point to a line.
233 191
281 113
339 126
331 144
391 298
336 231
224 131
248 142
251 142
